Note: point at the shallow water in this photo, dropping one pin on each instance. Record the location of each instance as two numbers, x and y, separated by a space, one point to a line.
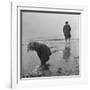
64 61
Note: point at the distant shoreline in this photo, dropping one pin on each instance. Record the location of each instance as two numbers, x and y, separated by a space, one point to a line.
46 40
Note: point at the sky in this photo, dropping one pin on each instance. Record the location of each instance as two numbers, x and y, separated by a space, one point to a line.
37 25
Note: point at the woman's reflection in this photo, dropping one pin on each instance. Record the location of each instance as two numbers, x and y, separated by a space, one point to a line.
66 53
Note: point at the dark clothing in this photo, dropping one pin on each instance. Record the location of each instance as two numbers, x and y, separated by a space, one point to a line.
66 30
43 51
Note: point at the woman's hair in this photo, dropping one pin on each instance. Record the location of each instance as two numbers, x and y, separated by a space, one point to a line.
32 46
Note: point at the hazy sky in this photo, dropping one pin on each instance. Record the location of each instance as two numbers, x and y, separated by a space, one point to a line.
46 24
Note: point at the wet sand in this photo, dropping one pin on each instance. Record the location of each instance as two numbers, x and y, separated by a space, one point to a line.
63 62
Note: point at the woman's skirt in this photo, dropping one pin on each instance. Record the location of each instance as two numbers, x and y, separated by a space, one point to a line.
67 35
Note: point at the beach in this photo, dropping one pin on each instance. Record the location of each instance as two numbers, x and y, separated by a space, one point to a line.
64 60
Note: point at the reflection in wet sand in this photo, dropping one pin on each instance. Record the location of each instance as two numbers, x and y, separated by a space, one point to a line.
69 65
66 53
63 62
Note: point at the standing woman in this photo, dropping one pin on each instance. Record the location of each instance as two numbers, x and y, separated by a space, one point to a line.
66 31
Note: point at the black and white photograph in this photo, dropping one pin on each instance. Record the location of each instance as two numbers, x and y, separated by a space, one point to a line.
49 43
45 45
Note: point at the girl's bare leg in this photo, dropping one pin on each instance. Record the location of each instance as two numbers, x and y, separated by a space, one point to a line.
66 42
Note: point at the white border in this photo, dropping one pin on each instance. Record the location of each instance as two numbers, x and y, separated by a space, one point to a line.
15 79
